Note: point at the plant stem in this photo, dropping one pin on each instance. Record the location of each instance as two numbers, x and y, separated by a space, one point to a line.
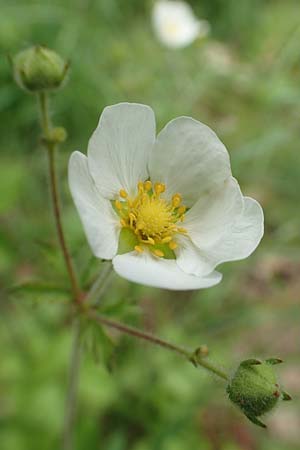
51 150
190 356
45 117
71 399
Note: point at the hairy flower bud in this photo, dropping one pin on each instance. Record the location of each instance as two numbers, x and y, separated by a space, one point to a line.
255 389
39 69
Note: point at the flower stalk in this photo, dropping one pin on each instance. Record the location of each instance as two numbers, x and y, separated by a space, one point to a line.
194 357
51 143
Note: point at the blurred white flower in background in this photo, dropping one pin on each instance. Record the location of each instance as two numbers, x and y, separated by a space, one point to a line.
165 209
176 25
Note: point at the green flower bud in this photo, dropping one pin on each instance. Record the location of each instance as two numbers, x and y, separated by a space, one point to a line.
254 388
56 136
39 69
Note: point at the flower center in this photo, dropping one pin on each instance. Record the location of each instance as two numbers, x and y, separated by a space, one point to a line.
153 219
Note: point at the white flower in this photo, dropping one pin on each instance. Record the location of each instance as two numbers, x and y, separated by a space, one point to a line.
175 23
171 200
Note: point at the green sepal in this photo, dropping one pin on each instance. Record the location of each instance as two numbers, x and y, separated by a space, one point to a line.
38 69
127 241
286 397
169 254
274 361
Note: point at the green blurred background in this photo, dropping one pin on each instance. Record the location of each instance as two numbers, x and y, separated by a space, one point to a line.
244 82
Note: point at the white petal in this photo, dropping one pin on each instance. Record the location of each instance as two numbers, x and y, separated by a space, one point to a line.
99 220
164 273
214 212
189 158
119 148
191 259
234 241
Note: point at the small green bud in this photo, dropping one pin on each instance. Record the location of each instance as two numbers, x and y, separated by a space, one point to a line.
56 136
254 388
39 69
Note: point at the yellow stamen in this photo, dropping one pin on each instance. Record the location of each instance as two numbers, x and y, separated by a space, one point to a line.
159 188
118 204
138 248
158 252
176 200
123 223
148 185
173 245
181 210
132 219
123 193
149 240
141 186
182 230
166 239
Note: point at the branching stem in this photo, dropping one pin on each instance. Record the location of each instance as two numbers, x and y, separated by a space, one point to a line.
193 357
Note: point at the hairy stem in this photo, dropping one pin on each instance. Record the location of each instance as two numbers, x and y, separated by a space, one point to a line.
193 357
51 150
71 399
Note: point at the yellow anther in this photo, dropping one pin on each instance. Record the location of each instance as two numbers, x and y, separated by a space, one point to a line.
166 239
148 185
141 186
123 223
138 248
159 188
176 200
182 218
182 230
181 210
118 204
173 245
149 240
123 193
158 252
